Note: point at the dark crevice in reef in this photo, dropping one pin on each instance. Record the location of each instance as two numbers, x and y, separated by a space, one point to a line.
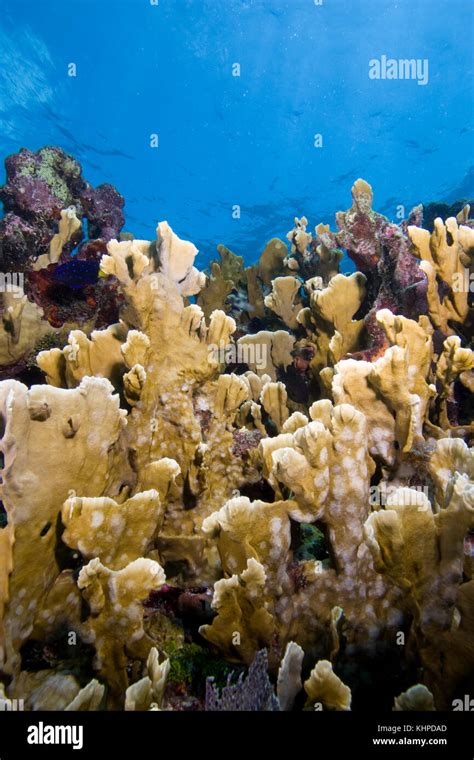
432 211
260 490
62 652
464 404
379 676
378 474
297 384
66 558
189 498
309 541
45 530
177 569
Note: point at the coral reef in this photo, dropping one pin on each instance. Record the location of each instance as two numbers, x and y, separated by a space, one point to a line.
244 489
55 224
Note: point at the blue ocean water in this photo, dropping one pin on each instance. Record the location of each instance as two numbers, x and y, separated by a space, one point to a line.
163 72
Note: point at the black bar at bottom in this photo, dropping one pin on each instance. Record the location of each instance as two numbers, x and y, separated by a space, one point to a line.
91 734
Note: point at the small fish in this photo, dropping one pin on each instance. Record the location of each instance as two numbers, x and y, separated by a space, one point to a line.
343 177
77 273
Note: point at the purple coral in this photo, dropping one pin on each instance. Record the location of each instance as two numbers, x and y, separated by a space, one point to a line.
244 440
20 242
191 603
254 693
382 251
400 284
39 185
359 234
103 209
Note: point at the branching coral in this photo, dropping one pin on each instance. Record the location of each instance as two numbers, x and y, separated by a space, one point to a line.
324 688
115 625
243 623
283 300
445 256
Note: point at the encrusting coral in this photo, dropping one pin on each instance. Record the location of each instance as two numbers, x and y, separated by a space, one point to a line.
263 467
